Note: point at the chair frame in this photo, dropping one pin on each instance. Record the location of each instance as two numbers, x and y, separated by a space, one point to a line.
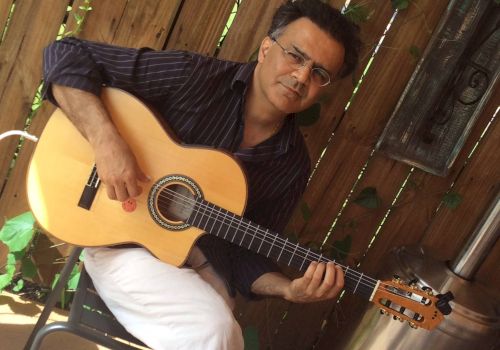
95 323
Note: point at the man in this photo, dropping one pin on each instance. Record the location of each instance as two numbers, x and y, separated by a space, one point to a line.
246 109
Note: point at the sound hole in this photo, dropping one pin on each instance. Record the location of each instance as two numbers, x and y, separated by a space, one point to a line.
175 202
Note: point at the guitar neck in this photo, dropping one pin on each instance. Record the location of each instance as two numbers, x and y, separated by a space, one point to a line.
244 233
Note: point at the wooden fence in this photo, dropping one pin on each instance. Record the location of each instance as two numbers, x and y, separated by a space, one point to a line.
410 209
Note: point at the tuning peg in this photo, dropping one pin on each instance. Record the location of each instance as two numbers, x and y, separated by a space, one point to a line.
428 290
443 302
412 325
397 279
413 283
383 312
397 318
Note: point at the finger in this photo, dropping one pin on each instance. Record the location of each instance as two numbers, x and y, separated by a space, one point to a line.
142 176
111 192
339 282
329 281
317 277
133 189
121 192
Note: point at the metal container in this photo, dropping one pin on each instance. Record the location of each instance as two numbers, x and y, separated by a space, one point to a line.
475 319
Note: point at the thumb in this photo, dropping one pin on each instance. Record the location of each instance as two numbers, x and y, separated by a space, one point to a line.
143 177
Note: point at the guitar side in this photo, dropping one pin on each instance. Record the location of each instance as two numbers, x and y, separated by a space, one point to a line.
63 161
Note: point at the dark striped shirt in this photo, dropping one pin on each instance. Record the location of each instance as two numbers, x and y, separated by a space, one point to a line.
202 99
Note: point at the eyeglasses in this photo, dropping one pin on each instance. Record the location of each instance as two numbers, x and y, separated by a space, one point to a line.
319 76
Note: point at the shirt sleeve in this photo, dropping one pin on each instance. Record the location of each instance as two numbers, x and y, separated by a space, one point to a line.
88 66
272 214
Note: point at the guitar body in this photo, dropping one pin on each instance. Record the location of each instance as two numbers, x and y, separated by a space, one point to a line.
62 165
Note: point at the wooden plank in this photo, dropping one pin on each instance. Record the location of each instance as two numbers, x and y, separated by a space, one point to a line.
409 218
200 25
249 28
477 185
21 61
134 23
356 136
5 6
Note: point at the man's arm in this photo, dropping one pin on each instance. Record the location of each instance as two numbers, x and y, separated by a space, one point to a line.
115 162
320 282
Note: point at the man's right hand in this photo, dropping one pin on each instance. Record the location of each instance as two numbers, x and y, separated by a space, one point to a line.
116 164
118 169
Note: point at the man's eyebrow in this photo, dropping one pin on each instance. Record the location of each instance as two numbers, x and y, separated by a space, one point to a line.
306 56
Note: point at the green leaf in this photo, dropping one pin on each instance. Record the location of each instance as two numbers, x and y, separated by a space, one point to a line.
306 211
28 268
254 56
340 249
309 116
19 285
452 200
368 198
18 232
10 269
400 4
74 277
251 338
357 13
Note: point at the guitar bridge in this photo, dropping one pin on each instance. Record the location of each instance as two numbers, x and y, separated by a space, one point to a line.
90 190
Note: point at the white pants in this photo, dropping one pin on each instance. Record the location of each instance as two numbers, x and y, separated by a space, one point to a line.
164 306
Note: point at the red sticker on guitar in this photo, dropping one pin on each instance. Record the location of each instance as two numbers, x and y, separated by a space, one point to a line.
129 205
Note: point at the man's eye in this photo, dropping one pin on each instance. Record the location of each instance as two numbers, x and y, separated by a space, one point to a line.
295 57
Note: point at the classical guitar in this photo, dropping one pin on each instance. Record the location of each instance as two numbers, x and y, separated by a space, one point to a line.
193 191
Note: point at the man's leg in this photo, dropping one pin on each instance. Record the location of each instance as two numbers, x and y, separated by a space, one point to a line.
164 306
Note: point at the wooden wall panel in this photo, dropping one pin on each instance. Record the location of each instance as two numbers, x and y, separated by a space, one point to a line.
409 219
356 136
5 6
31 28
199 25
249 28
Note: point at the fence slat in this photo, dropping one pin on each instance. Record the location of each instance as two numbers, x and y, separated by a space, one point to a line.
199 25
20 74
410 217
249 28
5 6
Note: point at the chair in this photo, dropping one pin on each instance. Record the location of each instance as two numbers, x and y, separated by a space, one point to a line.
89 317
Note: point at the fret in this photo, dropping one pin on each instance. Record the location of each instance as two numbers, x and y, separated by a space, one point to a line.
293 254
196 212
253 237
236 231
228 225
244 235
357 284
272 244
216 217
305 258
260 245
199 219
281 252
221 224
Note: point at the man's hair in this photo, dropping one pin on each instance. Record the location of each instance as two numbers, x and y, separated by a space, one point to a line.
328 19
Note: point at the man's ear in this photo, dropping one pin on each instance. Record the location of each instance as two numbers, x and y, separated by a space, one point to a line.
265 45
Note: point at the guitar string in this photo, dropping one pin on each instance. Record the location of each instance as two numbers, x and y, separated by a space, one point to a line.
266 236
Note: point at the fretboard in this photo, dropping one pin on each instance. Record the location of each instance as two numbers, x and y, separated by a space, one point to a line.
244 233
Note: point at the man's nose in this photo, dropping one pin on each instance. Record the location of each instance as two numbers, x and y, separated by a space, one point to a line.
303 74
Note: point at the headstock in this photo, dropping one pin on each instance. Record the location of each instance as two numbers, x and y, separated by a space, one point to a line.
407 302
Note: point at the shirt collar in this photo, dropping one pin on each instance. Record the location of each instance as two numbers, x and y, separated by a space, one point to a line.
276 145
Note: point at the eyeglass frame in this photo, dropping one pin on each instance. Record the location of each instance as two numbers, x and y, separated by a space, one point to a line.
303 62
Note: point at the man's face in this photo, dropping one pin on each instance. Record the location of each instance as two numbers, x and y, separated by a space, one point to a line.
287 88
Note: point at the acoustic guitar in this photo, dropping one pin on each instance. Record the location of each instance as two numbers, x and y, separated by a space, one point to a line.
193 191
